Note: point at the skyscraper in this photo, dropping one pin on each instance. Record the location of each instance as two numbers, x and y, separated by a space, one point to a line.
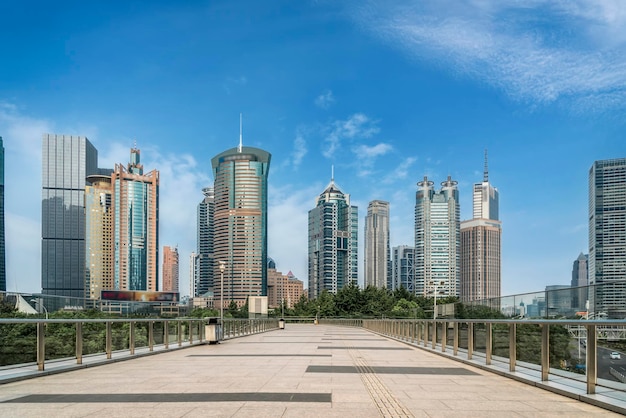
3 270
240 223
333 238
205 234
66 162
170 269
135 226
437 239
580 279
98 236
403 261
377 252
481 245
607 237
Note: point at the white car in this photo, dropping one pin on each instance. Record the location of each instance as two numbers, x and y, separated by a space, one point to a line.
615 355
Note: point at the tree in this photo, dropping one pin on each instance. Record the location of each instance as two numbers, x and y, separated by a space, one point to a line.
348 301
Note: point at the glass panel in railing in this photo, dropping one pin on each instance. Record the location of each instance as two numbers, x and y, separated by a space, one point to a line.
120 335
141 334
60 340
612 354
463 335
159 332
560 302
18 343
529 345
500 342
480 338
94 337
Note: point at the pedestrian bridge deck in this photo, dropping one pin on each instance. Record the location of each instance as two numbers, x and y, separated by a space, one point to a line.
301 371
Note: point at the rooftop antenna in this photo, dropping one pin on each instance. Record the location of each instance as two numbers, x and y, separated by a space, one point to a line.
486 173
240 149
332 173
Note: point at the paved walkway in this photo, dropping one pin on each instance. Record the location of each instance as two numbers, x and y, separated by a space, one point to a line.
301 371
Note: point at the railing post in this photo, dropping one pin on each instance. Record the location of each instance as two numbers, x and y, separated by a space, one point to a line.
488 342
131 337
426 328
545 351
434 336
79 343
592 359
455 347
444 336
190 332
41 345
109 340
166 334
151 336
512 346
180 333
470 340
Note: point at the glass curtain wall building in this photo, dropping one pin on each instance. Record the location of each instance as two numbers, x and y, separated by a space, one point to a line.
135 226
333 242
240 224
437 239
205 233
377 251
3 268
607 237
98 236
66 162
403 268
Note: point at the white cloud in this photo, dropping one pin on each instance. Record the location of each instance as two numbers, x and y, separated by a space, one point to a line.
356 126
377 150
325 99
299 149
401 171
538 51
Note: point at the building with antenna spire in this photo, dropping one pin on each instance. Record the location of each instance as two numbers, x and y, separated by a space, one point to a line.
333 241
481 245
240 223
135 201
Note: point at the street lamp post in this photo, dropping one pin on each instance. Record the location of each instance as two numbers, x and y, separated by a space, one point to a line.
434 283
37 302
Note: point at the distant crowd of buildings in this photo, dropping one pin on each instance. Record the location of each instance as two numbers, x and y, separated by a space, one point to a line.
100 232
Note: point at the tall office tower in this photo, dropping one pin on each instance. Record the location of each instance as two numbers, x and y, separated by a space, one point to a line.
240 220
193 274
98 236
607 237
3 268
437 239
170 269
205 233
403 268
580 279
333 238
481 245
135 226
377 251
66 162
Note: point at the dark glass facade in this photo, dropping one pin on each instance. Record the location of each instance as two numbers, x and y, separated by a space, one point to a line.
3 271
66 163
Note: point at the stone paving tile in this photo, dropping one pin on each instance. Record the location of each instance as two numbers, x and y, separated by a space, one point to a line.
188 371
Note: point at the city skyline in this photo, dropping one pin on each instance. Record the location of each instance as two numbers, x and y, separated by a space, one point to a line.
384 91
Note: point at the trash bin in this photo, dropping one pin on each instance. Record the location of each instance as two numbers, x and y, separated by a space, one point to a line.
211 331
281 323
315 321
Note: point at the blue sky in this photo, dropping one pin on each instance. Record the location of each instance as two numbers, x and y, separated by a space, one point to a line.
386 91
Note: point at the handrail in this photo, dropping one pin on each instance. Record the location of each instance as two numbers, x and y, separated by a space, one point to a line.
114 337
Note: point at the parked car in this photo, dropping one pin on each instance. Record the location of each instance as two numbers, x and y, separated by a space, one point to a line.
615 355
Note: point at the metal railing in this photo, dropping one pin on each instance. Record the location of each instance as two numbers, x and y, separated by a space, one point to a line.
523 344
24 341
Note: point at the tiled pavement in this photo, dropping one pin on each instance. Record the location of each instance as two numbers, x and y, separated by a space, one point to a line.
301 371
